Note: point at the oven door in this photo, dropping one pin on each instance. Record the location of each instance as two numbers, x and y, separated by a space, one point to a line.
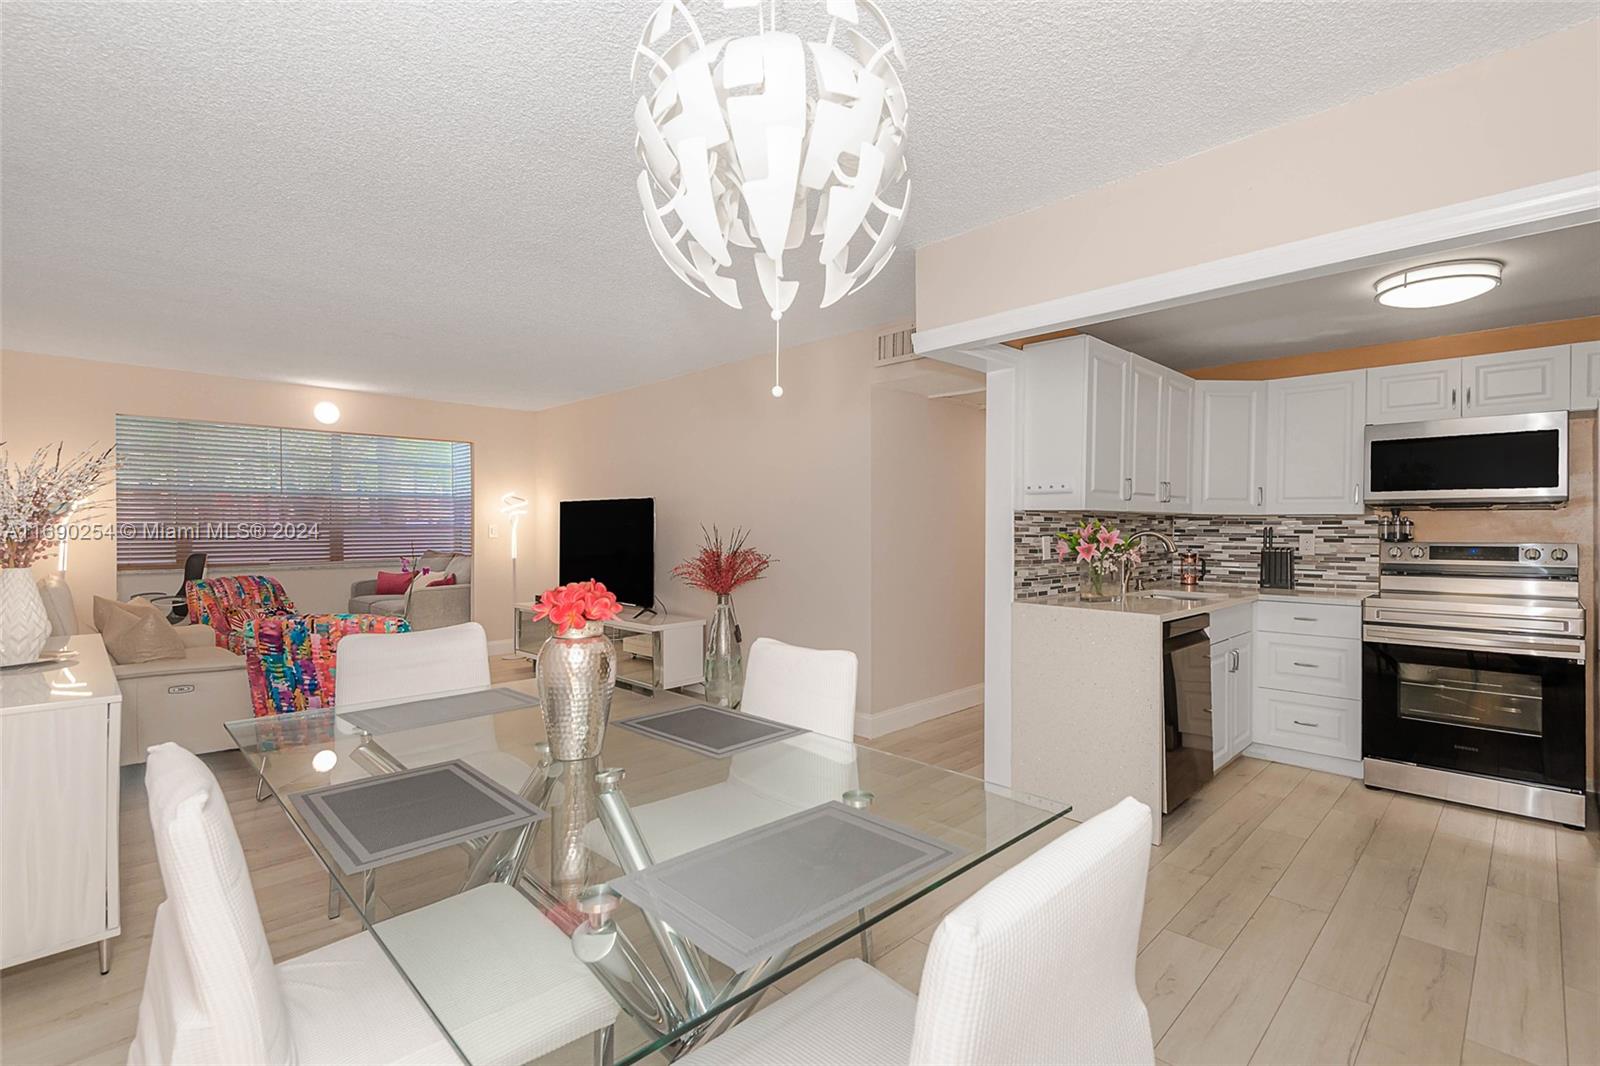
1494 712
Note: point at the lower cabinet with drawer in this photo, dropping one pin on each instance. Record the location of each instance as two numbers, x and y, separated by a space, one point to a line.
1306 709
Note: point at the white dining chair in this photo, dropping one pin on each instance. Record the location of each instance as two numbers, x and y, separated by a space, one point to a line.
802 687
374 669
496 971
1037 967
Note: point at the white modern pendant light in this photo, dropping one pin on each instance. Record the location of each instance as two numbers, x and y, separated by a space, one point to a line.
744 156
1439 284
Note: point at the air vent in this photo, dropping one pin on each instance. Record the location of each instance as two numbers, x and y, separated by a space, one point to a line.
896 347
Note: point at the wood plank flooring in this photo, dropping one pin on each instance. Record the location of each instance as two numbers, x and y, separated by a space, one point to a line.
1291 916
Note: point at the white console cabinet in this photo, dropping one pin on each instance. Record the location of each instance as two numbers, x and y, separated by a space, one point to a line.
60 741
671 647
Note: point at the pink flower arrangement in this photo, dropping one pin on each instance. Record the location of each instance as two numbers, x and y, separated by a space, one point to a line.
575 605
1097 544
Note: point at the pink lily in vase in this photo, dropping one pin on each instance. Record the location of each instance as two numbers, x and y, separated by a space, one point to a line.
1098 549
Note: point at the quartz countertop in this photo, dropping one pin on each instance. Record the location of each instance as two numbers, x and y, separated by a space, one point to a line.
1168 603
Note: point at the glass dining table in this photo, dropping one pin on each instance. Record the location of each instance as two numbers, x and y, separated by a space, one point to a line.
688 882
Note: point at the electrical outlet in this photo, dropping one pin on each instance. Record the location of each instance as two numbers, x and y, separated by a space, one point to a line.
1308 544
494 531
1047 548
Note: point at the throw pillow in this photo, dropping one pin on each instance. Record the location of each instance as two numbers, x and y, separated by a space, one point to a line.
434 581
104 608
140 637
392 584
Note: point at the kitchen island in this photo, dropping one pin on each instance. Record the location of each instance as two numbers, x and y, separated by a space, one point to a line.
1087 685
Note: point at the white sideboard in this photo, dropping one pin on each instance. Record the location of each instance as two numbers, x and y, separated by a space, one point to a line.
60 737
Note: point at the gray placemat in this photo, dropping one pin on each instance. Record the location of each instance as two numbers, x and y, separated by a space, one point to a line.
745 899
439 709
709 730
380 820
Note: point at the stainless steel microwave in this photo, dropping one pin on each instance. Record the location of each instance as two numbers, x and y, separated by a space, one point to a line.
1499 459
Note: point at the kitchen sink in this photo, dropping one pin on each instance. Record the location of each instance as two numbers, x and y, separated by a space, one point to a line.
1187 596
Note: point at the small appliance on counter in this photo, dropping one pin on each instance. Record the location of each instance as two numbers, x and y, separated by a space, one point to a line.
1277 564
1472 679
1191 569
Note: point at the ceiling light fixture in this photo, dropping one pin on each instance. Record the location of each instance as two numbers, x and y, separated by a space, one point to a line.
736 142
326 412
1438 284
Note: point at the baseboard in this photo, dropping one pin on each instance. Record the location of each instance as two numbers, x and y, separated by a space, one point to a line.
500 647
1327 763
890 719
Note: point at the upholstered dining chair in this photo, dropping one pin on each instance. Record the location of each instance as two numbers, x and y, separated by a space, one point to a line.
502 977
1036 967
803 687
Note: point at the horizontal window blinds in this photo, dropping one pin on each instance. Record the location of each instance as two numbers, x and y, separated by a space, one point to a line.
255 495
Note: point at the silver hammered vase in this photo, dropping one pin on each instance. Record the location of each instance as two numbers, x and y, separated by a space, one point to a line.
724 657
577 675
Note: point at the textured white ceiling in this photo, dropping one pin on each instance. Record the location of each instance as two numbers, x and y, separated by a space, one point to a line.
1548 276
437 199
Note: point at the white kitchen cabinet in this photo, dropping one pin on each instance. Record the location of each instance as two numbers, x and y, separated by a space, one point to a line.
1177 442
1104 430
1231 690
1108 372
1314 443
1585 376
1507 383
1306 707
1414 392
1144 487
1229 447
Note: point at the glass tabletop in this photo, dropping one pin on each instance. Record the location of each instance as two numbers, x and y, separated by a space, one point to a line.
687 883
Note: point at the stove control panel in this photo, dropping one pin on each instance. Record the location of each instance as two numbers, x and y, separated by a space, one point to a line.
1484 559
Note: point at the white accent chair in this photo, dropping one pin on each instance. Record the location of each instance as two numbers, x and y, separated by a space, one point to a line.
381 668
500 974
1037 967
801 687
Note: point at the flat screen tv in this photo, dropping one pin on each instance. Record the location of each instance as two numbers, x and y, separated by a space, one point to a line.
613 541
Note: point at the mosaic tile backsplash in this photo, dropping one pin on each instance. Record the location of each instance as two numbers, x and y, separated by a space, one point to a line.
1345 554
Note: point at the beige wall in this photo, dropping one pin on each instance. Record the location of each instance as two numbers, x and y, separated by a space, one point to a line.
1508 121
44 399
714 448
927 548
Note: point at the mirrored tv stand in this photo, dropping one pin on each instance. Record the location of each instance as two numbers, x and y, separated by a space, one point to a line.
655 652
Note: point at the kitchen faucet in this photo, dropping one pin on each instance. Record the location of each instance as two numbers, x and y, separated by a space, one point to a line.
1126 569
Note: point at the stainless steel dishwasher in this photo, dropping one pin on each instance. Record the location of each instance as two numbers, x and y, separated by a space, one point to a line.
1186 700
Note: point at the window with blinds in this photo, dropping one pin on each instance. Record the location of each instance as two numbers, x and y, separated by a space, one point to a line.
259 496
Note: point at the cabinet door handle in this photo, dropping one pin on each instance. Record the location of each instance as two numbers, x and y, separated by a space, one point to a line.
1258 495
1452 397
1469 395
1303 618
1308 666
1308 725
1233 661
1127 488
1356 496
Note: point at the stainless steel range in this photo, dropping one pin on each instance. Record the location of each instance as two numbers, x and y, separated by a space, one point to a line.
1473 665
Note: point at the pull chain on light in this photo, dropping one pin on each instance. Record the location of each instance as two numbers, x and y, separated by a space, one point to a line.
777 355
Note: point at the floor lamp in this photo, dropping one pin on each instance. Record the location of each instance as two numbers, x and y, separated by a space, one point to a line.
513 507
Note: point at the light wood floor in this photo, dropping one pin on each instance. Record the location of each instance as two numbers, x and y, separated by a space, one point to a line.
1290 917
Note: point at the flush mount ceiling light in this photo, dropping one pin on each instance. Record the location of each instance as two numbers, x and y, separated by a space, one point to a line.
741 151
1438 284
326 412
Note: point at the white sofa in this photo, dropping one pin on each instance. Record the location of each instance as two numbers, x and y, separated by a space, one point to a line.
185 701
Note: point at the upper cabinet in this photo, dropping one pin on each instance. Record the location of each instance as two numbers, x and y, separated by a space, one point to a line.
1585 376
1230 440
1509 383
1104 429
1314 443
1503 383
1414 392
1177 442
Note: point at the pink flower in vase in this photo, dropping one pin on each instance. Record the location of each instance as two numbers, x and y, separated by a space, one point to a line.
1061 550
1087 550
1110 538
